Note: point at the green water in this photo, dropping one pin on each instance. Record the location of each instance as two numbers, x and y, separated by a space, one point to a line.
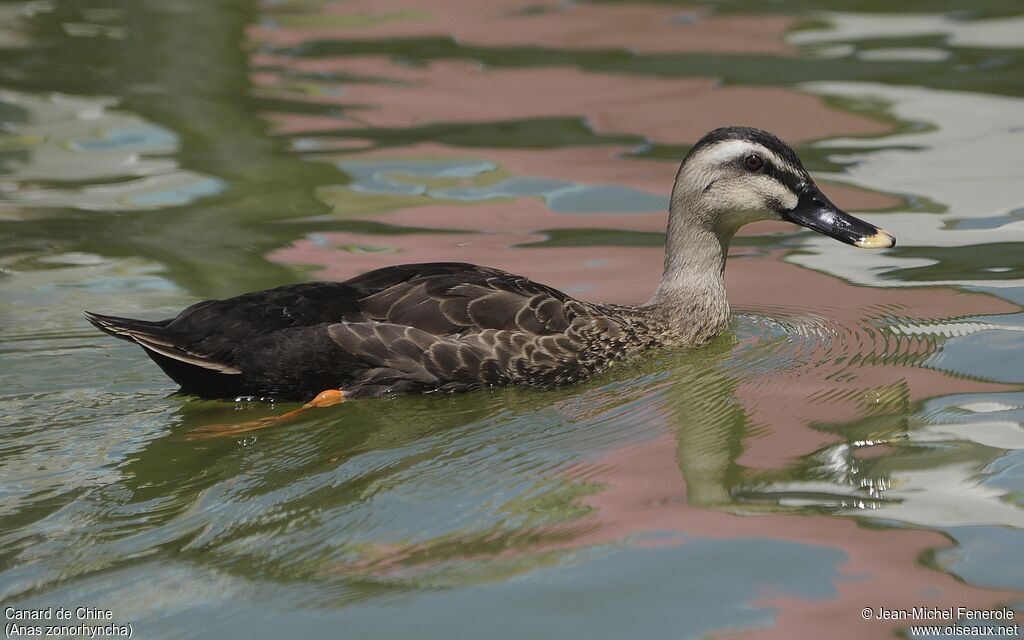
855 441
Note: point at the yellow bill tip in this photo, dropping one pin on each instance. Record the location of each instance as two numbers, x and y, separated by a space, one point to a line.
880 240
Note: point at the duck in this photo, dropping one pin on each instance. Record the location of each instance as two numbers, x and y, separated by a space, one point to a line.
454 327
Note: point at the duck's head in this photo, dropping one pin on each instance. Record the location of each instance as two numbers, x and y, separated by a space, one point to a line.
736 175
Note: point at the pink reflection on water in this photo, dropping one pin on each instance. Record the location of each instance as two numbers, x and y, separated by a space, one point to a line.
663 110
511 23
589 273
840 378
645 492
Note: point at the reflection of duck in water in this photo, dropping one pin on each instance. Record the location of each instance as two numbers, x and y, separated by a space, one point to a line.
458 327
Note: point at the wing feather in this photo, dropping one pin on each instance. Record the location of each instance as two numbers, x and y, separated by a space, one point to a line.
446 326
453 298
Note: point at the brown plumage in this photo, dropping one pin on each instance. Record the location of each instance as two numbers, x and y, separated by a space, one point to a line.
416 327
459 327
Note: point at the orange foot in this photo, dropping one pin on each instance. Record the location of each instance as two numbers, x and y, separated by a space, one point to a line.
322 399
326 399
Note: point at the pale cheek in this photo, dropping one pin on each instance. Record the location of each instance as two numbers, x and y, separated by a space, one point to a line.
789 200
737 218
746 203
741 198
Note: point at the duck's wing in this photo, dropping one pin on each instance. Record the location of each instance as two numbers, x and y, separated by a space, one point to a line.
395 358
456 327
453 298
280 330
441 298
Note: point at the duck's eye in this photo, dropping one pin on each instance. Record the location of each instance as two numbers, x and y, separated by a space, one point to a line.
753 162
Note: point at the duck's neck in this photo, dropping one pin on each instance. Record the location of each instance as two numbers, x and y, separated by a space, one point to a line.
691 297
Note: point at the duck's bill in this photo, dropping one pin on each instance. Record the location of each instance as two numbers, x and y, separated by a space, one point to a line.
816 212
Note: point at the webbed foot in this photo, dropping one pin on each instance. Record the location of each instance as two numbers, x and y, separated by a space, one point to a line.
323 399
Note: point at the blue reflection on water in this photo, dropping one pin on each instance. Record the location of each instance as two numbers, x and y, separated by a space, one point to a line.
561 196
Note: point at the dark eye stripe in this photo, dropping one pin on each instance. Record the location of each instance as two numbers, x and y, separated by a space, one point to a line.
786 177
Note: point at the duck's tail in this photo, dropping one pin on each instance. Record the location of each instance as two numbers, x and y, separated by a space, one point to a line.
160 344
126 328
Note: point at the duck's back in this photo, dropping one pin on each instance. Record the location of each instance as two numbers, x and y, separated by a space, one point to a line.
418 327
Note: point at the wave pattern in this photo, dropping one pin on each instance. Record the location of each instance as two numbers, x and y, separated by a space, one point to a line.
717 491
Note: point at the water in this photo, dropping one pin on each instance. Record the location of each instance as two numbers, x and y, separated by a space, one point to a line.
855 441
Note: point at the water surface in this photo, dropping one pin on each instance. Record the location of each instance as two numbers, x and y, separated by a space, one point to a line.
855 440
